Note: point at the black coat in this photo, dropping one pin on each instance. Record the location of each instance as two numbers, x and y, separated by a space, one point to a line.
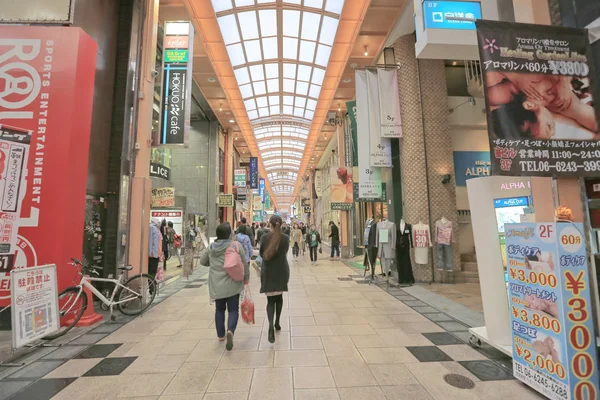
335 234
275 273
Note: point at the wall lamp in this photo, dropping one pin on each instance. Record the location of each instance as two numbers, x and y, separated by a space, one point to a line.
446 179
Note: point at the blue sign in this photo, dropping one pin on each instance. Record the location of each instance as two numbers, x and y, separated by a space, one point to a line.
522 201
471 164
439 14
253 172
554 348
261 189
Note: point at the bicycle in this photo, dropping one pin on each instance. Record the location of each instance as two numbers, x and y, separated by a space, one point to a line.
73 300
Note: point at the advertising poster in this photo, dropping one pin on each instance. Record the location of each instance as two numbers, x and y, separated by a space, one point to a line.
47 88
239 177
163 197
389 101
34 307
471 164
540 110
253 172
341 196
380 148
369 178
554 349
257 203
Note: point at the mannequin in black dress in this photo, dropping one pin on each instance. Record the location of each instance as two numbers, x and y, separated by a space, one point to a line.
371 248
403 245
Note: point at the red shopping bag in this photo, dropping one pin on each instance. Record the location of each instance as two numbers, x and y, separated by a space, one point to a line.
248 306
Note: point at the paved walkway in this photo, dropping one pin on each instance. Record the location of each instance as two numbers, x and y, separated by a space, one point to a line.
341 339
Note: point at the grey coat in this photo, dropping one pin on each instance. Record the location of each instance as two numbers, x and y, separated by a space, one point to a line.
220 285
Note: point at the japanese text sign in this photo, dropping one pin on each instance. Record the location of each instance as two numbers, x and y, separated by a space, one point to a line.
448 14
254 172
554 349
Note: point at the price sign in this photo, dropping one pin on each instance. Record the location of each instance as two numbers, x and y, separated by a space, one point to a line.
554 349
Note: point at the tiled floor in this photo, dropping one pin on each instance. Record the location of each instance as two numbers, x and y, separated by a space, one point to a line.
339 340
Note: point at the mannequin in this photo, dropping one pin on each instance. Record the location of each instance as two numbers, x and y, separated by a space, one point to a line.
422 242
386 244
444 237
404 243
370 243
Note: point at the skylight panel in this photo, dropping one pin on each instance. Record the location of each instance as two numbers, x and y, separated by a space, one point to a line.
274 100
314 91
272 70
288 110
228 27
236 54
253 50
328 30
290 48
273 85
310 25
252 114
250 104
311 104
222 5
289 71
334 6
313 3
248 24
288 85
298 112
262 101
241 75
291 22
318 76
323 53
288 100
242 3
257 72
270 49
268 22
263 112
265 1
300 102
304 73
309 114
307 51
246 91
302 88
275 110
259 88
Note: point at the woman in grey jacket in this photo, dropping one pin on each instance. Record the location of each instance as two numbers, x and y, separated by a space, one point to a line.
224 290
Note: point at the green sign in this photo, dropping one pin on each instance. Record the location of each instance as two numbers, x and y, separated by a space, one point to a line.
239 177
351 107
268 201
342 206
176 55
257 216
376 200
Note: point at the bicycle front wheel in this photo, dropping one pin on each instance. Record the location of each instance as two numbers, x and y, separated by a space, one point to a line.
72 305
137 294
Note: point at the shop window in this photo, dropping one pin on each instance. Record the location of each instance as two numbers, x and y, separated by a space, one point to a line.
161 156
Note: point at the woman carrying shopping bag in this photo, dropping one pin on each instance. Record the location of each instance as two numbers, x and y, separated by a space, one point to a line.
275 272
226 281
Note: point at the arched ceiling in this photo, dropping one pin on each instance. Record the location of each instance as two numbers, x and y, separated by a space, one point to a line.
279 51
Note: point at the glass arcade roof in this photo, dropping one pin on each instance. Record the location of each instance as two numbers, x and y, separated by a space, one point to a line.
279 50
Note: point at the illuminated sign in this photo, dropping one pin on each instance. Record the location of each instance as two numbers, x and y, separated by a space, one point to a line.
441 14
261 189
511 202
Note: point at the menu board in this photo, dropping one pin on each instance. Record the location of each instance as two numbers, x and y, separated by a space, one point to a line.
554 349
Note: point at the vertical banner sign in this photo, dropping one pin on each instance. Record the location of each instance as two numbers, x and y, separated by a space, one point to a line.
261 189
351 107
380 148
47 81
554 346
177 83
389 102
369 179
253 172
239 177
541 119
267 201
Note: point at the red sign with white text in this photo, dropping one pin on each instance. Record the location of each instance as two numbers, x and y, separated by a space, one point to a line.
46 95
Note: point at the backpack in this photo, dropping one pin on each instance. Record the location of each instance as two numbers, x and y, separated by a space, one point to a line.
233 264
177 241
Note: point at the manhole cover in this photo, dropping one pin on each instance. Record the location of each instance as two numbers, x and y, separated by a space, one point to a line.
459 381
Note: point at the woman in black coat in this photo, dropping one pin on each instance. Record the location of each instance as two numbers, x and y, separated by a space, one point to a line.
275 272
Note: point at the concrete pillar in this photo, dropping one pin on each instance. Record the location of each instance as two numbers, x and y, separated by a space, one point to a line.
425 148
139 214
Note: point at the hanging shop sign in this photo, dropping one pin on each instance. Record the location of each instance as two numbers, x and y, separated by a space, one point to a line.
547 127
380 148
261 189
318 179
554 348
177 88
48 80
239 177
389 102
254 172
340 186
359 199
34 304
242 194
163 197
257 203
225 200
369 178
267 201
46 12
160 171
351 107
471 164
448 14
257 217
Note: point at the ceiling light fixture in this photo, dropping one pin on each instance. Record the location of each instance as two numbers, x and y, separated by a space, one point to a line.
454 62
220 106
366 50
231 121
212 80
347 80
339 106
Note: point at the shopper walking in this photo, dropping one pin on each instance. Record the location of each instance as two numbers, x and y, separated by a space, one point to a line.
275 272
165 242
261 232
154 247
246 243
296 240
313 238
334 235
224 290
174 238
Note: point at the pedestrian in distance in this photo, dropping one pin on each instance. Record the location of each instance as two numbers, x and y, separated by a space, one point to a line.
334 235
222 288
274 272
296 240
313 238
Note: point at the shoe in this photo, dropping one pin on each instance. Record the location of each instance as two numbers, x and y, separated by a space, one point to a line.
271 335
179 266
220 339
229 338
277 326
